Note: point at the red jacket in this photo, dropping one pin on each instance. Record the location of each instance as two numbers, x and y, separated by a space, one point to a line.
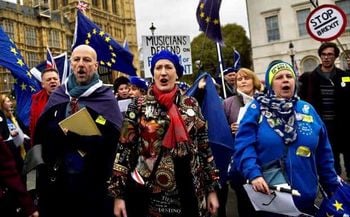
10 178
39 101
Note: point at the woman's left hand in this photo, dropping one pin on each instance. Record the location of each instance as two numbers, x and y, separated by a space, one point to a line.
213 203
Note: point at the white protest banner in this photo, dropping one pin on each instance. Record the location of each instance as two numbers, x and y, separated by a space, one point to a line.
325 23
178 44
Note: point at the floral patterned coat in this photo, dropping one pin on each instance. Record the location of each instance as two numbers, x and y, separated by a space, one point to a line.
144 127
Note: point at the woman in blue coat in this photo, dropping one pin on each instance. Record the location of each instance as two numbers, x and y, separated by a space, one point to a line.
279 127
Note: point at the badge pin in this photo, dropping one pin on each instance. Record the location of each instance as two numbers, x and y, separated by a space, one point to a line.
190 112
343 84
299 117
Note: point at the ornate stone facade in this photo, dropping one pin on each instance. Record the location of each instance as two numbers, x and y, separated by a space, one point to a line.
35 24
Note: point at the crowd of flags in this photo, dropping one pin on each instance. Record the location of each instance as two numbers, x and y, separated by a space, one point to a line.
27 81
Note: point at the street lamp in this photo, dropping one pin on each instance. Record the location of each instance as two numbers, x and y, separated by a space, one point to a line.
152 28
291 53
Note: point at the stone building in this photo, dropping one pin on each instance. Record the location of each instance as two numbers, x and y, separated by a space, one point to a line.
278 31
35 24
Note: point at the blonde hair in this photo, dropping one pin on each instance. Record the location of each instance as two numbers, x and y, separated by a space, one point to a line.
7 113
250 74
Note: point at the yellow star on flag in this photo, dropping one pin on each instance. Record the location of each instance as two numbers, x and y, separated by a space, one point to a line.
87 41
207 19
94 31
23 86
32 88
89 35
20 62
107 39
14 51
101 33
338 205
29 74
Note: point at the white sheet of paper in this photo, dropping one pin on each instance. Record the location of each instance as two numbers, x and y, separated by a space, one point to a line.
241 113
282 204
123 104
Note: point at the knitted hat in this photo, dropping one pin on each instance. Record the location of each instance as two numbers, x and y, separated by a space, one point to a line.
229 70
119 81
165 54
275 67
139 82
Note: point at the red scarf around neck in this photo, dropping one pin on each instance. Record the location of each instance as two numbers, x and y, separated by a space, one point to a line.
177 131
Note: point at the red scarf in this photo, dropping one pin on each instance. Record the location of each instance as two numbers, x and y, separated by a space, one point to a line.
177 131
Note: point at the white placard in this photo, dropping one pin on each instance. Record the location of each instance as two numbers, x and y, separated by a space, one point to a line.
178 44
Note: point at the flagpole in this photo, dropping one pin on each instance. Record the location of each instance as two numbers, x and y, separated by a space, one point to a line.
218 49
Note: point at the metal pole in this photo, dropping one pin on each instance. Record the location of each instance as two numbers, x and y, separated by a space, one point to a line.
218 49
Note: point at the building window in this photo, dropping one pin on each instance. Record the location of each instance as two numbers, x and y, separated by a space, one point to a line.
104 4
309 64
301 17
105 74
54 4
273 32
8 27
343 62
114 7
32 59
345 5
69 42
30 36
6 81
54 38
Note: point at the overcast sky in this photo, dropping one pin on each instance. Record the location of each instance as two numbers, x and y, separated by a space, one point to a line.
178 17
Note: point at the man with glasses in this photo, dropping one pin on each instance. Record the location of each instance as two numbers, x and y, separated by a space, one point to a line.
327 88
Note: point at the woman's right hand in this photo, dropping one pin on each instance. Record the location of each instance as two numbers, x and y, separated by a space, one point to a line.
35 214
119 208
259 184
234 128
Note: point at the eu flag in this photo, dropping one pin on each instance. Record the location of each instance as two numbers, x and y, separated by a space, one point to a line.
25 84
219 132
109 53
337 205
209 20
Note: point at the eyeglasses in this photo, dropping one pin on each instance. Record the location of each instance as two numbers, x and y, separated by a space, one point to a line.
327 54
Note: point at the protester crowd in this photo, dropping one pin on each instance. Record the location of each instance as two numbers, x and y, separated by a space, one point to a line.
147 148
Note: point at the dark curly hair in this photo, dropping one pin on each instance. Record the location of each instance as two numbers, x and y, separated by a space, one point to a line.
327 45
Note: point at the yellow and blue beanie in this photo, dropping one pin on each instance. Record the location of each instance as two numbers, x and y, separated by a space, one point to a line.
275 67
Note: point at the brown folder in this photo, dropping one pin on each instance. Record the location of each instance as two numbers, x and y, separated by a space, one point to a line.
81 123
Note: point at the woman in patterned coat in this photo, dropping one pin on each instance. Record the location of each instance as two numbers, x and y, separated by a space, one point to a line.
164 150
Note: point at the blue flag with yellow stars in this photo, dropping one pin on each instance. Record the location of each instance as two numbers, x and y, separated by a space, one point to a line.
219 132
25 84
109 53
338 205
209 20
